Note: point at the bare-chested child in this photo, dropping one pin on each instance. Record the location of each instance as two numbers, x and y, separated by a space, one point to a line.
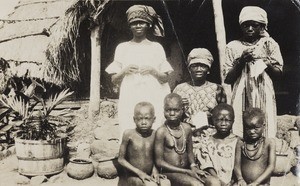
255 156
173 148
136 153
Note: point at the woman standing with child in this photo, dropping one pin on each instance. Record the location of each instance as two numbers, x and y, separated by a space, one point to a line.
140 67
250 64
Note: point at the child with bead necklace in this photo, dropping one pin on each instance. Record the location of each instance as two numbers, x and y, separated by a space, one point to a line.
255 156
173 148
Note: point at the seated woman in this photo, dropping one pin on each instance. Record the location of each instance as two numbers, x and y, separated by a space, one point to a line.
199 96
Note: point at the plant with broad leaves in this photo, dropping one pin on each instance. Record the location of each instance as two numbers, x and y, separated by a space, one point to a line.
37 119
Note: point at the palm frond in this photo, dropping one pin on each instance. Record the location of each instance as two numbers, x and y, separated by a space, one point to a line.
64 112
57 99
17 104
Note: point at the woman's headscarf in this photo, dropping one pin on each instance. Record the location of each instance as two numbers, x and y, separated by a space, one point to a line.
148 15
254 13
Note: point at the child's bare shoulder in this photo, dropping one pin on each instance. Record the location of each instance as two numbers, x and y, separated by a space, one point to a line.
161 130
186 126
270 142
129 132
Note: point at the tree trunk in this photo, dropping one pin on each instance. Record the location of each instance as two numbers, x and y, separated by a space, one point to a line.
221 42
94 104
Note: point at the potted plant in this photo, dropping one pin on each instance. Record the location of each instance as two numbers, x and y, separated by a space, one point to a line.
40 133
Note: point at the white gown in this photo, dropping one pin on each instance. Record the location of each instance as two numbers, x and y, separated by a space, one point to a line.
136 87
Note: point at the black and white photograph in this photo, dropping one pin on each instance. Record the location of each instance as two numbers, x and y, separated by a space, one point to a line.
150 92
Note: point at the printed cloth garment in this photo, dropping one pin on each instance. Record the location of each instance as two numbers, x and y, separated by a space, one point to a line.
218 155
201 98
135 88
254 91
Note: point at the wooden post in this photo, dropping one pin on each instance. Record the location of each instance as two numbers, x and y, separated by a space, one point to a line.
94 104
221 42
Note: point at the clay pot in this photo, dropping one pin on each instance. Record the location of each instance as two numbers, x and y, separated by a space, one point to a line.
80 168
283 157
296 170
107 168
282 165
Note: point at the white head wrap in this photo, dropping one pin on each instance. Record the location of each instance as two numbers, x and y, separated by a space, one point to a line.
254 13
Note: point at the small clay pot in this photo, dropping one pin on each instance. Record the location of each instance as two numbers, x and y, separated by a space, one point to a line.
107 168
296 170
80 168
282 165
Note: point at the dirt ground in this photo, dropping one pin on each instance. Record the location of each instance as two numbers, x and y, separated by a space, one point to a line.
103 129
9 176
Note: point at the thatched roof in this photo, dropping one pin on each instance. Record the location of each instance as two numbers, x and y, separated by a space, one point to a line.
26 33
66 43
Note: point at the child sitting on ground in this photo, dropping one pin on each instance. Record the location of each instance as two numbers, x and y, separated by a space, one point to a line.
136 150
216 154
173 148
255 156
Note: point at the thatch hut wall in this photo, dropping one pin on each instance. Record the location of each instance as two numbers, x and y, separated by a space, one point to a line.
25 34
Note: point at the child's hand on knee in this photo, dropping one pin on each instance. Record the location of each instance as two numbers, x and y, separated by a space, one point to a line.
241 182
201 172
156 178
145 177
253 184
194 174
159 177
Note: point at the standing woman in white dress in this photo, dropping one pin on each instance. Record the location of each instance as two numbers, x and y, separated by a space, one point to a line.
140 67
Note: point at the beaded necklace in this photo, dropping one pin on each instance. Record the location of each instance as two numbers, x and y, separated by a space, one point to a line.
177 150
258 147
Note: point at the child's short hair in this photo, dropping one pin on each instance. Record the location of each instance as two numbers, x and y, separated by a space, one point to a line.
253 112
144 104
172 96
222 106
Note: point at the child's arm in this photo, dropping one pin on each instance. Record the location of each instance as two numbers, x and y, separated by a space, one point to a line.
237 164
211 171
272 154
124 163
193 165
